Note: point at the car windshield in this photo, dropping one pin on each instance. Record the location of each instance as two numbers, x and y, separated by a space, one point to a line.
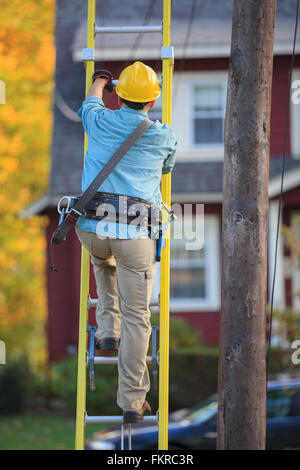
205 411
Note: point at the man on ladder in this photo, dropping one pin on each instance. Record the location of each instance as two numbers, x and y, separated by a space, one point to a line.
123 255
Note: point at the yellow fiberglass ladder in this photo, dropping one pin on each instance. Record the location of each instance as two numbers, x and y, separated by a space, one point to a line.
85 359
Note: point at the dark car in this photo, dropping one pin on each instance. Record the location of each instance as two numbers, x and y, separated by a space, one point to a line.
196 429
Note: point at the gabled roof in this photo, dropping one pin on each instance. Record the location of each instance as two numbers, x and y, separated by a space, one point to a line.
198 182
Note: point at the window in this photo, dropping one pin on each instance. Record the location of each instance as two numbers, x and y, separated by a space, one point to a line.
207 109
295 114
198 114
279 294
208 114
155 112
295 220
195 274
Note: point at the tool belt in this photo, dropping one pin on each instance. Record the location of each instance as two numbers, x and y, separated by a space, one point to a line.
120 208
116 208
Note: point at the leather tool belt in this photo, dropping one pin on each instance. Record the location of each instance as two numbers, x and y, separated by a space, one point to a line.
120 208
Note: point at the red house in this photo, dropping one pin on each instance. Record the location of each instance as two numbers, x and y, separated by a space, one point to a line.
202 48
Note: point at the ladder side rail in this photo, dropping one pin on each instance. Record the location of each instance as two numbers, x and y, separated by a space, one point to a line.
85 267
167 71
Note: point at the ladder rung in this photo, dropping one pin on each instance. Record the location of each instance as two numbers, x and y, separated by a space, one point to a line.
114 360
115 419
93 303
127 29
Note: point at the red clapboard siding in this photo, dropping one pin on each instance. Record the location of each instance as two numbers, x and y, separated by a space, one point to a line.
279 105
207 323
63 292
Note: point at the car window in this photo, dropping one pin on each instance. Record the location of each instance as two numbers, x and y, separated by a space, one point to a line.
205 411
283 403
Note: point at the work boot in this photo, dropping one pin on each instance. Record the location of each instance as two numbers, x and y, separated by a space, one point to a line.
108 346
137 416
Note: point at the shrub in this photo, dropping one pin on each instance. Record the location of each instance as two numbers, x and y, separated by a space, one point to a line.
15 386
64 387
181 334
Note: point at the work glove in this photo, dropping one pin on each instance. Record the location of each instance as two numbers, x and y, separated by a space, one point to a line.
108 76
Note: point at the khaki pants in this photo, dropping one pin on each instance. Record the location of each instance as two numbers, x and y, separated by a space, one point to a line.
124 272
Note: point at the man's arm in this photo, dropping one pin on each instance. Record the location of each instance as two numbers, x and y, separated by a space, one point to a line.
101 79
97 88
93 105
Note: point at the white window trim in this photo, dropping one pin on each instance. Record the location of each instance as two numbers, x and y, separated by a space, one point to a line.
155 110
183 114
212 302
295 121
216 78
295 272
279 290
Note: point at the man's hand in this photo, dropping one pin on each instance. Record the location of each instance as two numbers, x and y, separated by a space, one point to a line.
102 80
106 75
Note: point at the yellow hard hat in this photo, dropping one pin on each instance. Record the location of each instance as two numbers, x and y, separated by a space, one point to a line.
138 83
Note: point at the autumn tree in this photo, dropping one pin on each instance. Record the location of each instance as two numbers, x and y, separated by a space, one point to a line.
27 68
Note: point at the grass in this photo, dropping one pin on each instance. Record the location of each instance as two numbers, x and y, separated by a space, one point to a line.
40 432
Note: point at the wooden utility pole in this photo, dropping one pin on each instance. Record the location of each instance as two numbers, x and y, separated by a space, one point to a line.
242 374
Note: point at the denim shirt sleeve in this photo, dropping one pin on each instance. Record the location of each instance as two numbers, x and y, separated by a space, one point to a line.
169 161
91 109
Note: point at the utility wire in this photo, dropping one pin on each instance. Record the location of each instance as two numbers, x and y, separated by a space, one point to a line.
59 101
140 36
281 191
189 30
64 108
102 36
137 41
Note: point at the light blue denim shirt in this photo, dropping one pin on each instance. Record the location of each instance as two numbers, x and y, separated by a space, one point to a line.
139 172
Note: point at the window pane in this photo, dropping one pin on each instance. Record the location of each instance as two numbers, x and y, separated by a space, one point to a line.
296 266
188 283
188 267
208 98
155 113
180 253
208 131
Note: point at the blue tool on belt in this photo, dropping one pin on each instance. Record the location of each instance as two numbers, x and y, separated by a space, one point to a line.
160 241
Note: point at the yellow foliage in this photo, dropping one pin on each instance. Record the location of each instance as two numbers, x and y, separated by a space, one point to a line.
27 58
